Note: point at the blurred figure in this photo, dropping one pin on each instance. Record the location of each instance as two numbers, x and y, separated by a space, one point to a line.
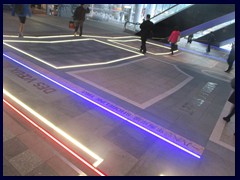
231 58
146 32
190 37
211 38
174 38
231 99
79 18
22 11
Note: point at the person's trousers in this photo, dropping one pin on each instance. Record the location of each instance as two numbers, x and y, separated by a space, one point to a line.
173 47
77 25
143 46
232 112
208 48
230 63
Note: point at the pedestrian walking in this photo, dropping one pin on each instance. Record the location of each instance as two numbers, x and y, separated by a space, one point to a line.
22 11
190 37
146 32
211 38
79 18
231 99
231 58
174 38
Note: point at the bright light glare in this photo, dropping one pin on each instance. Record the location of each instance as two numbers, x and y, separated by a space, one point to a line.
55 128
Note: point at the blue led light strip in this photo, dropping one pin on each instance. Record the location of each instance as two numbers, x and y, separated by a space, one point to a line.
105 108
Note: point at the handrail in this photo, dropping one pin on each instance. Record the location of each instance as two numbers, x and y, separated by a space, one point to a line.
164 11
128 22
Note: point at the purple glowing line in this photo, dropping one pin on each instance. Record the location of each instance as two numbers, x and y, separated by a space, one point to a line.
99 105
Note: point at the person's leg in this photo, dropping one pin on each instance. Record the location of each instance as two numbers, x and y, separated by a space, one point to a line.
232 112
208 48
144 49
76 24
81 28
230 64
172 47
141 49
21 25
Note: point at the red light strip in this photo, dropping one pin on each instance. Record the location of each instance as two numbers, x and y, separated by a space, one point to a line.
54 139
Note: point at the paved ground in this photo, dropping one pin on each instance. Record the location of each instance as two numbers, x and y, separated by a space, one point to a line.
56 80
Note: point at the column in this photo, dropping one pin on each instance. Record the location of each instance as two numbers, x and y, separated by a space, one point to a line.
151 9
137 15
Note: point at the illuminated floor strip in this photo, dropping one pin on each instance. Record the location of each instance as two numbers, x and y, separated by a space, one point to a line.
55 128
105 108
71 40
63 36
154 44
53 138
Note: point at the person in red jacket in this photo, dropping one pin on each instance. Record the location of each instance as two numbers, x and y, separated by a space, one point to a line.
174 38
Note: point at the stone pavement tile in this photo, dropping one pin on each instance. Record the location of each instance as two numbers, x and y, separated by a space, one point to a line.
221 151
15 88
12 148
43 170
7 134
214 165
30 139
60 167
25 162
163 158
14 127
8 169
132 140
43 150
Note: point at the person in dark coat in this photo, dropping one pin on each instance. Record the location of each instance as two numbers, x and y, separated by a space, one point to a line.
231 99
211 38
22 11
231 58
79 18
146 32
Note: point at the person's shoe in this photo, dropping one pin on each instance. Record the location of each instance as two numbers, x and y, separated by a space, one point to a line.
226 119
75 33
140 50
227 71
20 35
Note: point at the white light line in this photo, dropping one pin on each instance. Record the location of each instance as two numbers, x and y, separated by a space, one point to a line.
116 41
55 128
46 42
38 59
97 64
62 36
129 40
79 65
